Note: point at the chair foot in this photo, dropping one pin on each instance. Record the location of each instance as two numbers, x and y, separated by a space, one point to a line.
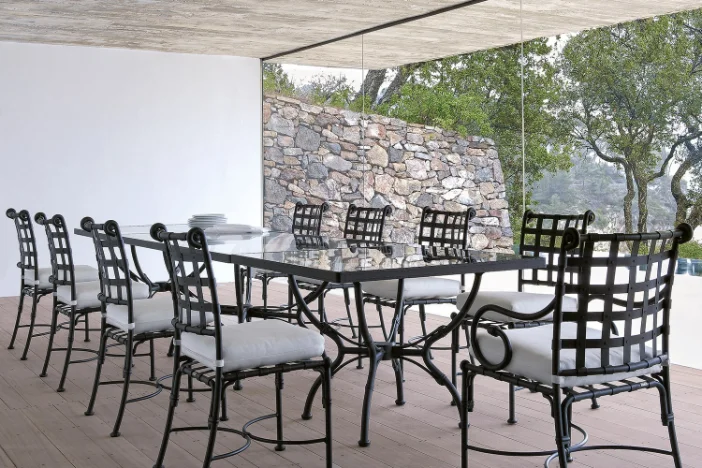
86 341
453 403
43 374
190 400
400 402
152 379
89 413
115 434
306 417
280 448
23 358
10 347
512 421
364 443
359 366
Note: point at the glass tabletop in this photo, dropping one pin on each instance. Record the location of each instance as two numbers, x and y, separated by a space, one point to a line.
384 261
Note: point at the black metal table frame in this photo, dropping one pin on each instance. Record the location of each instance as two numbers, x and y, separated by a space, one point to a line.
375 351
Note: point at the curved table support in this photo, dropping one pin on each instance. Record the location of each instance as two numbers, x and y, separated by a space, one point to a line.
391 350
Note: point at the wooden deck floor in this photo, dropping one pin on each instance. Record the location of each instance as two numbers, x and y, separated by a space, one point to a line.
42 428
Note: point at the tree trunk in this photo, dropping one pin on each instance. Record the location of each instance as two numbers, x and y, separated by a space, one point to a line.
371 85
403 75
681 199
642 202
628 201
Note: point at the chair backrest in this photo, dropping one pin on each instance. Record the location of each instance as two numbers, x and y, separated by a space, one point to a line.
366 223
62 267
439 228
112 262
194 286
633 291
307 219
542 235
27 244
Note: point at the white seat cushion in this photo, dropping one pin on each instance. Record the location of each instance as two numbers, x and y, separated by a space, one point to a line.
522 302
532 355
415 288
150 315
83 273
87 294
255 344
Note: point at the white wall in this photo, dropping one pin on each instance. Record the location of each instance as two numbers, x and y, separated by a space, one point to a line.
134 136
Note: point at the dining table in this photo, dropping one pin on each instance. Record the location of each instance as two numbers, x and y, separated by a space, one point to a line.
327 260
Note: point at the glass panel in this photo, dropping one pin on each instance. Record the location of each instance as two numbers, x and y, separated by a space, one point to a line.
446 133
313 132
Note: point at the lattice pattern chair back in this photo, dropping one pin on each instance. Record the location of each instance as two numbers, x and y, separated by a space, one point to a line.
194 285
439 228
62 267
113 264
542 235
366 223
307 219
632 290
27 243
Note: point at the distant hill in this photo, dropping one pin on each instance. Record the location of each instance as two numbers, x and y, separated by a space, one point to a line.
600 187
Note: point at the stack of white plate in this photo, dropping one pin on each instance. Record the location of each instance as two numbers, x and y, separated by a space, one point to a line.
204 221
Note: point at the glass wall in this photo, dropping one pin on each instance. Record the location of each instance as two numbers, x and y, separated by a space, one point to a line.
314 149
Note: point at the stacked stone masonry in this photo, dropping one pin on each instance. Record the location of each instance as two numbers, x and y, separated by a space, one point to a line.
314 154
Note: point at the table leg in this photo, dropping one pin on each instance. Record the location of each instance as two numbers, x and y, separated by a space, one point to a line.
440 333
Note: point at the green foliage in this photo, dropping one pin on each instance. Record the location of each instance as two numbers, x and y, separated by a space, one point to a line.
276 81
629 94
690 249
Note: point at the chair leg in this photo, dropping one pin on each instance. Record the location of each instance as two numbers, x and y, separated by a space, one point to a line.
191 397
291 304
399 379
559 421
18 319
52 333
423 320
667 417
279 411
379 308
32 319
127 373
347 301
224 415
466 407
264 292
87 328
326 397
175 393
98 371
69 348
152 361
170 349
512 403
455 344
214 417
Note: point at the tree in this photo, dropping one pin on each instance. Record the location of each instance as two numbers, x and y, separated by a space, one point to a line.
630 94
276 81
480 93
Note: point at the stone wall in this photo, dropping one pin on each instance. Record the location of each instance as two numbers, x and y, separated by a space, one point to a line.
314 154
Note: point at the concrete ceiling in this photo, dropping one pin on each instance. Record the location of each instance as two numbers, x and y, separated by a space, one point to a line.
261 28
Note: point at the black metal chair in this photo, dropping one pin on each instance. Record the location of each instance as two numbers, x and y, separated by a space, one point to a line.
437 228
577 357
35 282
125 319
219 356
76 300
365 225
307 221
541 235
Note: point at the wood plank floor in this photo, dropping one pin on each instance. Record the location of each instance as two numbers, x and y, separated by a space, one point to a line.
42 428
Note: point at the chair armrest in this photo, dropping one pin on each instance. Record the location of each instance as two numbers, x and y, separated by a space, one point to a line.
496 330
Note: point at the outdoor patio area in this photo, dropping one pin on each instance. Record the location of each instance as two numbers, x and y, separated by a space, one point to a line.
44 428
